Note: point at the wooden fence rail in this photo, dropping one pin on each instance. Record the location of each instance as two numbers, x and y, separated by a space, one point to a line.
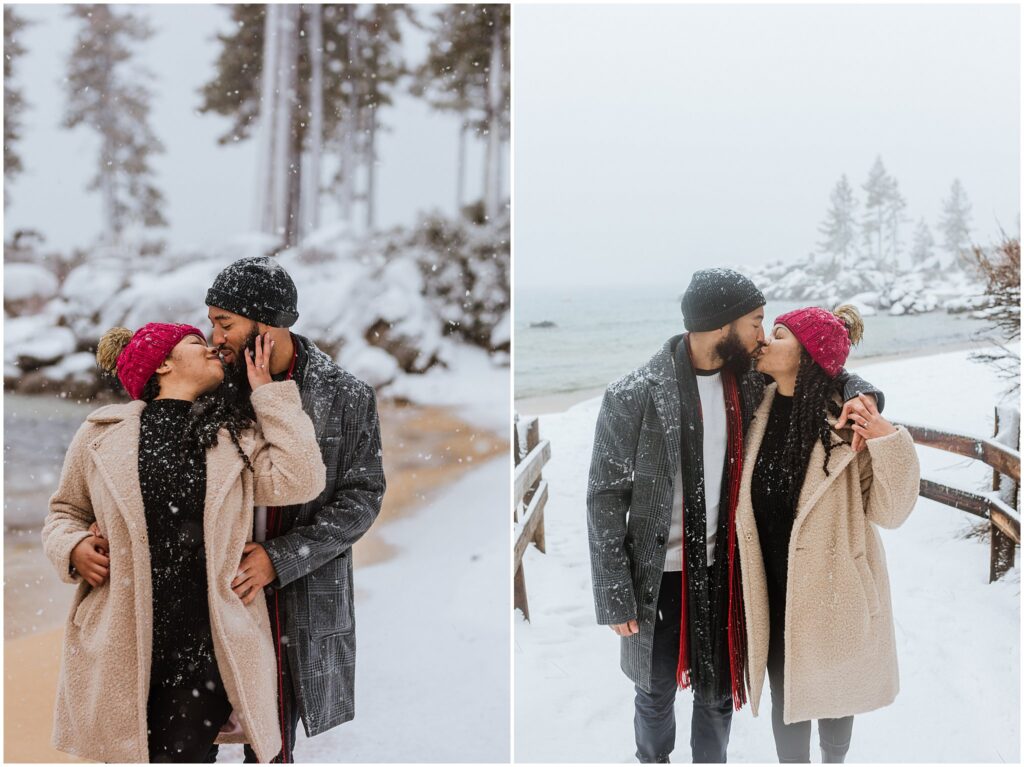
530 491
1003 517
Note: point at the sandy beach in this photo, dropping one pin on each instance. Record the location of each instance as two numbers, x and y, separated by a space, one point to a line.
426 449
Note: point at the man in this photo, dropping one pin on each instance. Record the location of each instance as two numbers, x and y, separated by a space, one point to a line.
302 554
661 499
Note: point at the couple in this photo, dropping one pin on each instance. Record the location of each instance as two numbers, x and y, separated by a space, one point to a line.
732 525
208 525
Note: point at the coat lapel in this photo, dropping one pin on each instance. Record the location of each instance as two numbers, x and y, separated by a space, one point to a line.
318 389
815 481
116 455
666 402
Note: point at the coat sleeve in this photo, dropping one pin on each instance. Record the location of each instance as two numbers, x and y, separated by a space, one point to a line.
70 514
287 465
890 478
609 493
354 504
853 385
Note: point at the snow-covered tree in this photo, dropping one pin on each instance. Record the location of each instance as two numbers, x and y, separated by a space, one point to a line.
470 42
14 100
955 225
921 251
839 228
876 189
107 92
894 218
352 71
376 67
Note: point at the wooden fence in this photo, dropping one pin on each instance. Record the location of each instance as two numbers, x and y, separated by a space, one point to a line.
530 494
1000 510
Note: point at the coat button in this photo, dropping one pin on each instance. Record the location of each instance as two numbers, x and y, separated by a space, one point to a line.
649 598
661 540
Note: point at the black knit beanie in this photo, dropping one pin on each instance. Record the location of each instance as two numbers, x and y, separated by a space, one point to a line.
257 288
716 297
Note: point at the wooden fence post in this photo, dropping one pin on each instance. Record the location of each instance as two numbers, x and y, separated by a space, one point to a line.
1002 547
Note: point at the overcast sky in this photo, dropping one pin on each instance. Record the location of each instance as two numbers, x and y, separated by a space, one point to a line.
654 140
208 188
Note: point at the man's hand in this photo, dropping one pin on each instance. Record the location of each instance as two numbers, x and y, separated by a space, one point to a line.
625 629
856 411
90 560
255 572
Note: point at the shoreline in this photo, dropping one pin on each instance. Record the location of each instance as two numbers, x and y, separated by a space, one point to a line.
559 402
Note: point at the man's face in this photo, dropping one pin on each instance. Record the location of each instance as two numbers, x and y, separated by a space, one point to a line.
743 342
231 334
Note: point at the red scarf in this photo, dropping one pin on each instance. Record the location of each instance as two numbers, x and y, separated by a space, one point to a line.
736 627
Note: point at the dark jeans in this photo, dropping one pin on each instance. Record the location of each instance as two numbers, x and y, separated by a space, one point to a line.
793 741
288 708
655 720
183 722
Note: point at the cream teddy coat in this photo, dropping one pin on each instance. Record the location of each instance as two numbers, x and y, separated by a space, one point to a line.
840 645
104 681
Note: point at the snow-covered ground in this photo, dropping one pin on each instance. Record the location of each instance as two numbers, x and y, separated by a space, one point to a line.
432 624
958 636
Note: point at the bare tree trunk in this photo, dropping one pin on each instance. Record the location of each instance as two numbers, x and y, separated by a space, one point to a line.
460 168
284 156
348 125
264 218
493 129
371 169
314 136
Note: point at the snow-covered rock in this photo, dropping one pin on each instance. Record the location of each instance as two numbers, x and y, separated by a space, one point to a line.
23 282
385 304
924 288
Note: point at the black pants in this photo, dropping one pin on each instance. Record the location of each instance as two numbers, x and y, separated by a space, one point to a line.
655 719
288 707
184 721
793 741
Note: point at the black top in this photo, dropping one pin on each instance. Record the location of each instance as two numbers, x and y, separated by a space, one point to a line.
769 493
174 496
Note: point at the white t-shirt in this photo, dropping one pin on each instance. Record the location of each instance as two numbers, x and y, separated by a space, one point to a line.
712 402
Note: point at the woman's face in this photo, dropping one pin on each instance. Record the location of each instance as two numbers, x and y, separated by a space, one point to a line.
781 354
195 362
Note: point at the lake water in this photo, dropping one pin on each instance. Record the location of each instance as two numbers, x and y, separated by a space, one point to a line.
601 334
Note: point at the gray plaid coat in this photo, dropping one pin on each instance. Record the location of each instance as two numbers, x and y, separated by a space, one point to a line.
629 494
313 556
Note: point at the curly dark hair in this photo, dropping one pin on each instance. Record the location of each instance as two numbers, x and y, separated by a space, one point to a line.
813 399
226 407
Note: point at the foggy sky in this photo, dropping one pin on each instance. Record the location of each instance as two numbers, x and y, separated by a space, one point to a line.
654 140
208 187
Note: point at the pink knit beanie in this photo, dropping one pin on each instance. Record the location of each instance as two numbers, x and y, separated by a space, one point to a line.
824 335
136 356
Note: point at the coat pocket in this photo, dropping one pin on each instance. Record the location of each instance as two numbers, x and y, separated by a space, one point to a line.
329 595
86 609
868 584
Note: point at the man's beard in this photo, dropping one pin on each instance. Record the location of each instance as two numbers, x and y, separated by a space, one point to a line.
734 355
236 376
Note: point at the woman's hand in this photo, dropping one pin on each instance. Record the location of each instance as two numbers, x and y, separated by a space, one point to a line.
868 423
258 366
90 560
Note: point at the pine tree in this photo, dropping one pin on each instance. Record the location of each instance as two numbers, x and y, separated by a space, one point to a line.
894 218
840 226
103 96
469 42
354 65
14 101
377 66
955 225
923 244
876 189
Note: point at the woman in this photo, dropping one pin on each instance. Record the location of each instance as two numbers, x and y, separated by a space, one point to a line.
815 586
158 650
